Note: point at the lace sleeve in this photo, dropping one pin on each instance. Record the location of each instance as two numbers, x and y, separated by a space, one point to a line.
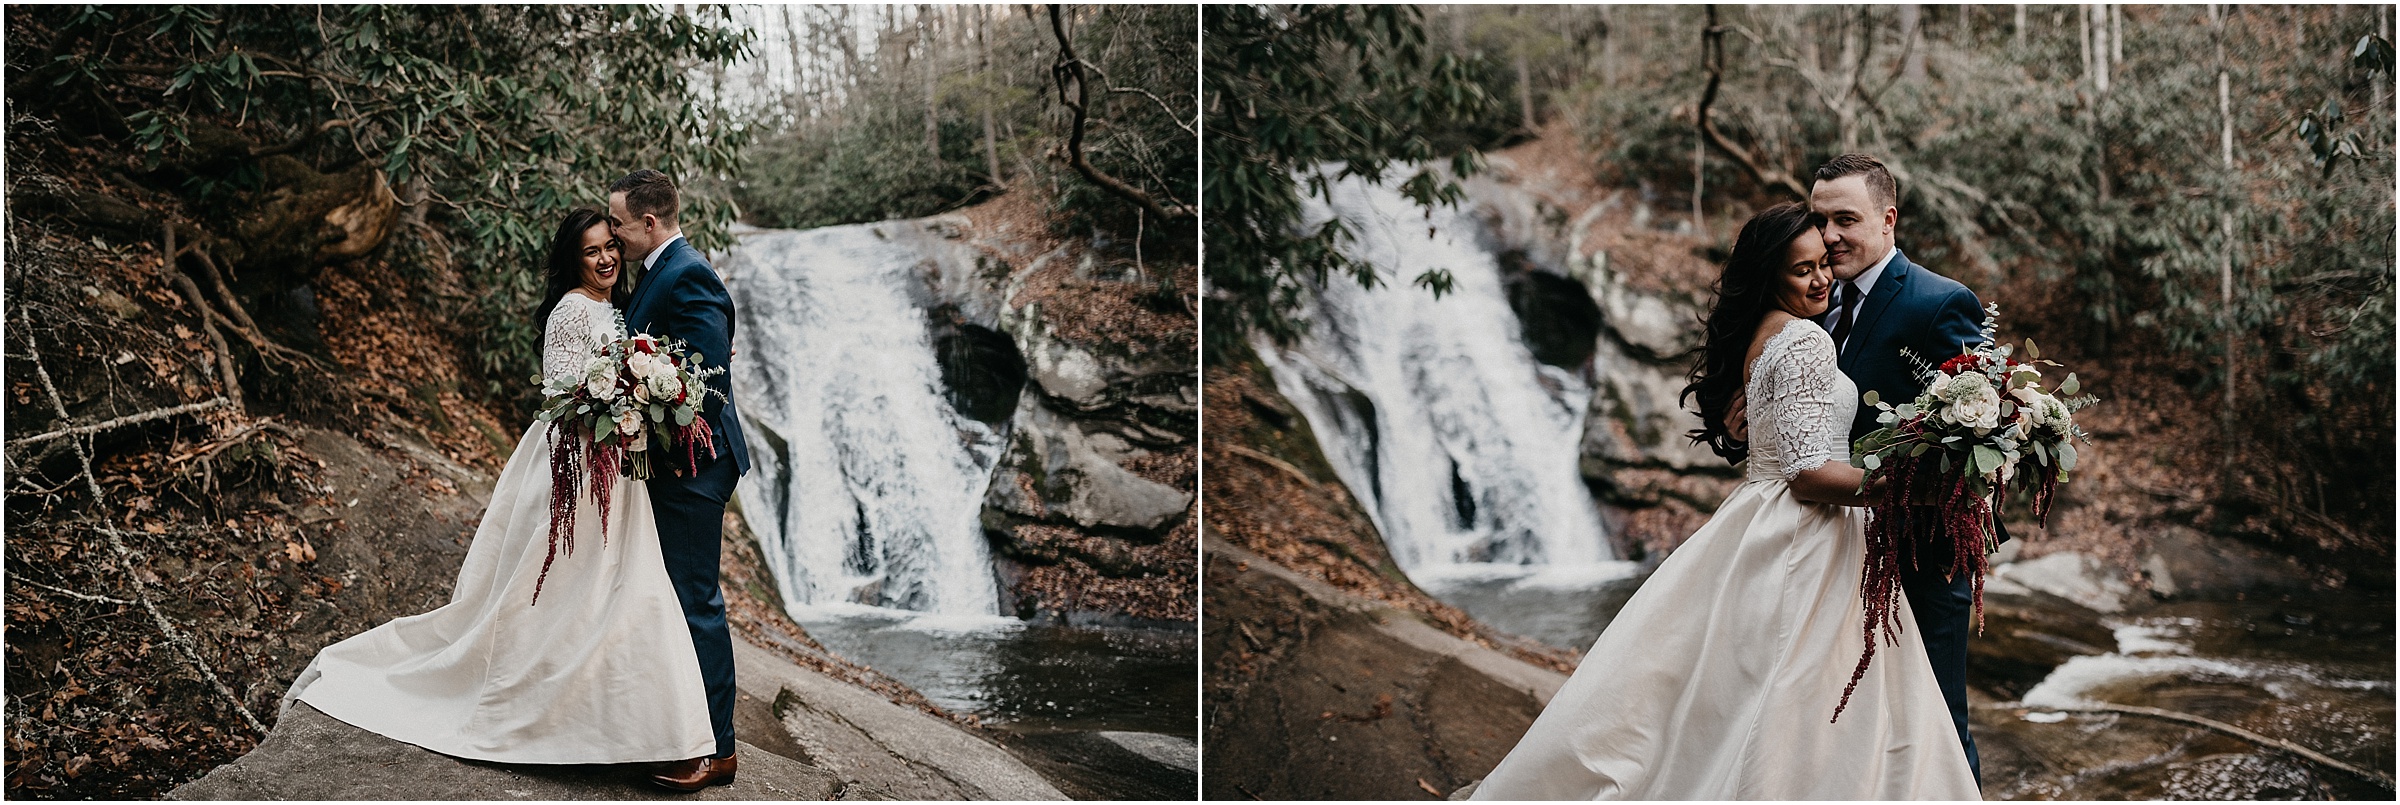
568 340
1798 400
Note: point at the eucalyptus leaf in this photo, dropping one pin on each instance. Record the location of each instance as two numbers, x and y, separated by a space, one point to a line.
1987 460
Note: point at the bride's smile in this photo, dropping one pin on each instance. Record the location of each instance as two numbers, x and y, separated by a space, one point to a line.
601 258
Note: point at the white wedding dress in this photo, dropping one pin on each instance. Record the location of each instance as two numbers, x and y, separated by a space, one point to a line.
1718 678
602 670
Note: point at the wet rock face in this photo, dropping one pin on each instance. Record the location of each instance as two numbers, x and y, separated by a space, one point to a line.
1633 339
1562 324
1087 498
981 369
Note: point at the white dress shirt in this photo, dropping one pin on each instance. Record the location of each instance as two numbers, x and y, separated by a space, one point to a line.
1862 285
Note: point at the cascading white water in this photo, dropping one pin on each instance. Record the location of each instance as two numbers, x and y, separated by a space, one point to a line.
867 486
1460 445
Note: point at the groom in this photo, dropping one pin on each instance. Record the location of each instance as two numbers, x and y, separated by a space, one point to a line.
679 296
1882 303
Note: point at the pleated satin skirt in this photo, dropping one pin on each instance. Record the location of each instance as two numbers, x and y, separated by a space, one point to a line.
1719 679
600 670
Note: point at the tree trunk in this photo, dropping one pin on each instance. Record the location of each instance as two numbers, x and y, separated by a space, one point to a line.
933 75
1525 93
1608 47
1699 182
2019 33
2116 33
1912 37
983 50
2216 17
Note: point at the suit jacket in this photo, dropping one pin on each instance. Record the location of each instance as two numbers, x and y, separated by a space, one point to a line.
682 298
1930 314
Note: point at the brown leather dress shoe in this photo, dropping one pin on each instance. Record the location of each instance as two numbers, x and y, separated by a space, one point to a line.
696 773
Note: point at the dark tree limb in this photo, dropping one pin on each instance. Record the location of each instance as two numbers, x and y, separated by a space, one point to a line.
2294 749
1069 70
299 140
1712 58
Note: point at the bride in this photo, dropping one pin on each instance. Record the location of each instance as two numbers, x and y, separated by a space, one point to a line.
602 669
1719 679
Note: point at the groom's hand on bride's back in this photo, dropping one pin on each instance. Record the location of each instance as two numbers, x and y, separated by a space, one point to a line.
1737 420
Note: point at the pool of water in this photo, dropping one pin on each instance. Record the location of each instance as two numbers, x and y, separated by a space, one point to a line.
2312 669
1026 677
1559 605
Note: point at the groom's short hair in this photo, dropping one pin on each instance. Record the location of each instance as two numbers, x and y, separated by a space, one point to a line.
648 192
1879 178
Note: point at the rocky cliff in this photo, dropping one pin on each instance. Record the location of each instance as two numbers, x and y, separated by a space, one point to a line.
1090 362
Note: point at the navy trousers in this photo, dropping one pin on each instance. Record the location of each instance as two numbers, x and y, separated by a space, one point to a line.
691 524
1944 612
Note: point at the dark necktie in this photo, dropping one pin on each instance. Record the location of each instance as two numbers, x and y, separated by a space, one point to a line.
1848 296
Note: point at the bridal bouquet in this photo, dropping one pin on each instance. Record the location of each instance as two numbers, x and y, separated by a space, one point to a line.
1983 426
635 393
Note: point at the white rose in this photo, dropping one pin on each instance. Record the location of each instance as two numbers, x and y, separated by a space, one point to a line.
664 387
2030 407
600 379
629 425
1973 401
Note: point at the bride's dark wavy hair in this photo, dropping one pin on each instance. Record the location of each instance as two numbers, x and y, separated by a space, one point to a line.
565 269
1744 292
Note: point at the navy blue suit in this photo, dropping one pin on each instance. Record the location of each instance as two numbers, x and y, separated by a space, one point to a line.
681 298
1937 318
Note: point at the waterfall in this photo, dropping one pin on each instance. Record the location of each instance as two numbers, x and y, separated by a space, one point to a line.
1462 448
867 486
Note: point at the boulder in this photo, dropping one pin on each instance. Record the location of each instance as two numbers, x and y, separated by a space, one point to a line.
1058 468
1349 698
313 756
894 750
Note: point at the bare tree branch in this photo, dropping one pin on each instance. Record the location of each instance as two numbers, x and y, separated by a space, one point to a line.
119 422
1069 70
1712 57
